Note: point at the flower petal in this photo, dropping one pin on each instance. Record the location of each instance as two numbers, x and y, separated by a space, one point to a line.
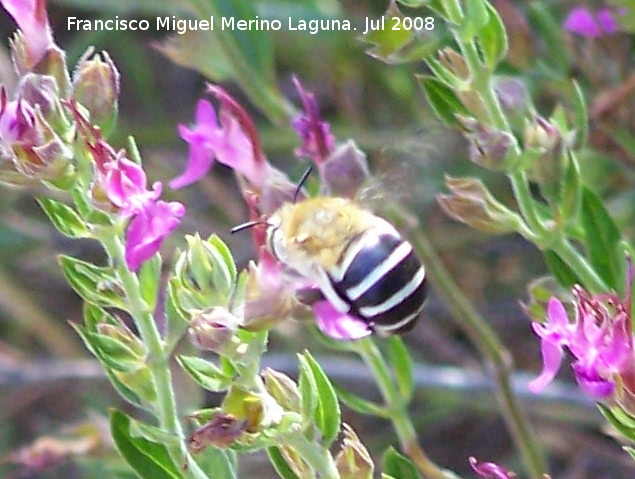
338 325
551 358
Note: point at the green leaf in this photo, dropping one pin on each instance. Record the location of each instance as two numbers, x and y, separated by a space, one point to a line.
222 462
492 38
150 280
571 192
148 459
93 283
549 30
401 363
222 249
617 420
123 390
113 353
205 374
476 17
435 5
602 239
177 322
328 414
308 389
400 466
560 270
64 218
442 74
280 464
393 43
443 100
580 115
630 451
359 404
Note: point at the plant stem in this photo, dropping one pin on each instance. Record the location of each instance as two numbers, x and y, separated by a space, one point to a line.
496 356
158 361
368 351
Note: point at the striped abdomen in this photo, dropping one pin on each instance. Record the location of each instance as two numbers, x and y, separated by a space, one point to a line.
382 280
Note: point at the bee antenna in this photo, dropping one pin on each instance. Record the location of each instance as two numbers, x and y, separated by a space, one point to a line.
305 176
249 224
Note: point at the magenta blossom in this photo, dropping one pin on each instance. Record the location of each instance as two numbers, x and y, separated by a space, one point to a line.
600 340
317 141
233 143
147 230
338 325
125 185
490 470
588 24
32 19
17 121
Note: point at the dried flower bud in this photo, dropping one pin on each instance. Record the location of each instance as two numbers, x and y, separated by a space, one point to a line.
345 170
213 330
489 147
283 389
473 204
455 63
353 461
222 431
96 87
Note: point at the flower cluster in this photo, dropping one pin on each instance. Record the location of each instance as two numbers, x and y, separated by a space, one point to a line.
600 339
586 23
36 134
230 138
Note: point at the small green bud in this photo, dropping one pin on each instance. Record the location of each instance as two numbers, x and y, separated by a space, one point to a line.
353 461
213 329
258 409
96 87
122 334
283 389
473 204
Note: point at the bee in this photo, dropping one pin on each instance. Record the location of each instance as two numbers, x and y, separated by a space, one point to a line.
359 261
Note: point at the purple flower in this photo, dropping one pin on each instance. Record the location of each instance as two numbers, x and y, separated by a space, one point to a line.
233 143
490 470
588 24
317 141
600 340
147 230
32 19
17 121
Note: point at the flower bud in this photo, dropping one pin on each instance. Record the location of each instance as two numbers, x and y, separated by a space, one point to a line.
353 461
489 148
514 99
96 87
124 336
259 410
42 91
267 299
473 204
547 144
455 63
296 462
283 389
213 330
345 170
206 272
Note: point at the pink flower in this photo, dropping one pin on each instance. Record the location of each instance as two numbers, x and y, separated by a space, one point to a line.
317 141
32 19
600 340
17 121
233 143
588 24
338 325
147 230
125 185
490 470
